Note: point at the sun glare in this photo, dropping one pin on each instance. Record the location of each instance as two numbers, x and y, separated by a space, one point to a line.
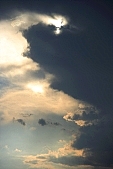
11 48
37 88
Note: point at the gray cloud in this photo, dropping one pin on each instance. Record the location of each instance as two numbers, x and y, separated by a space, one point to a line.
42 122
97 142
89 118
21 122
69 160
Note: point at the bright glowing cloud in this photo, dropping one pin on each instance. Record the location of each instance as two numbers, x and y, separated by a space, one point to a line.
25 20
25 93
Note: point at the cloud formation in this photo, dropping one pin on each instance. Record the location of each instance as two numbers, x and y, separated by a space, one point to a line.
97 142
21 122
44 122
83 116
23 89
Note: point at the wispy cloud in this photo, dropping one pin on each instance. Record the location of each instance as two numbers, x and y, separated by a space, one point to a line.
21 122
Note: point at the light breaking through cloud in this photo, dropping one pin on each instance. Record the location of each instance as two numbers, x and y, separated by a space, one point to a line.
24 92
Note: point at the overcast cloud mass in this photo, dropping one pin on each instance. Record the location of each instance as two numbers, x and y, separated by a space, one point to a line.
56 85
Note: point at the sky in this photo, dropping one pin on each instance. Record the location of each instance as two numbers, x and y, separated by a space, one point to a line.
56 84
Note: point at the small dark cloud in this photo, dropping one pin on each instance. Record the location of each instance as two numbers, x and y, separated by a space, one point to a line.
21 122
26 115
56 123
42 122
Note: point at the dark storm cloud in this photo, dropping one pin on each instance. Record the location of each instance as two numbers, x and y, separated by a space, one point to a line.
82 63
97 142
21 122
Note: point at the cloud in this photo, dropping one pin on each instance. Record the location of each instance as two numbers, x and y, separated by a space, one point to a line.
46 122
38 161
24 90
17 150
21 122
83 116
65 157
25 20
56 123
97 142
42 122
70 161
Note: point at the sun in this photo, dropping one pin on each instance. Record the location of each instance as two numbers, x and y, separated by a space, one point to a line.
37 88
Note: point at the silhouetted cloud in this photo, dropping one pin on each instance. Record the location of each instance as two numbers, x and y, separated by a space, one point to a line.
84 116
42 122
97 142
21 122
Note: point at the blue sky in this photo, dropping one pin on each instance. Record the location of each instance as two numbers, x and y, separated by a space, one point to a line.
56 85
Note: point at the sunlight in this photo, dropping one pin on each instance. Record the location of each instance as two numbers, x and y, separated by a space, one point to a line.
37 88
57 22
11 48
